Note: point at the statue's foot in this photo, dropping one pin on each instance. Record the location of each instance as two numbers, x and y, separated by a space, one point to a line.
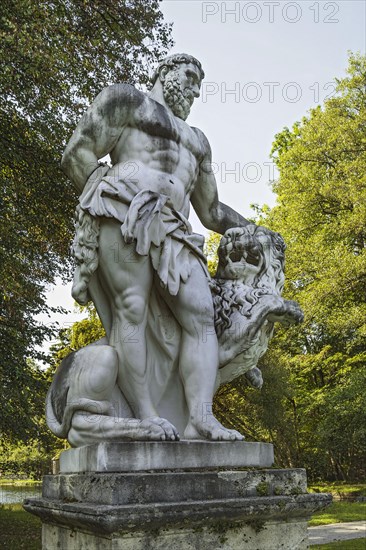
211 430
168 432
150 431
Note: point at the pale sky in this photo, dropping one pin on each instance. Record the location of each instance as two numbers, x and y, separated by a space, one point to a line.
276 71
266 65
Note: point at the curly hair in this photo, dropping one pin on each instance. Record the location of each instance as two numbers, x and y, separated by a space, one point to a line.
228 298
172 61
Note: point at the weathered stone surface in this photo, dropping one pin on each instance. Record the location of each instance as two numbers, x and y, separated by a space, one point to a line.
136 456
219 509
143 488
104 519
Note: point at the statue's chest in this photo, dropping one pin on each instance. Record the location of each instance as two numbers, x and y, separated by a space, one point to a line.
156 121
153 119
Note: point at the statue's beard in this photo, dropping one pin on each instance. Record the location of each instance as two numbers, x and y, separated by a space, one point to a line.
179 101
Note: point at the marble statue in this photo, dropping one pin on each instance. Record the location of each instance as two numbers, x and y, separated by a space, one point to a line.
173 334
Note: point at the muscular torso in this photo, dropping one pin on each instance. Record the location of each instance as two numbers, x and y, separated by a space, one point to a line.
159 152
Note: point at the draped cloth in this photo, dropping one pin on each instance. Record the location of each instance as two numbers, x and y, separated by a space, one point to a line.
157 228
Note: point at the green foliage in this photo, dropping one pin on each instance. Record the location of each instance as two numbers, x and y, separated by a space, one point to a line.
211 246
268 415
29 460
80 334
321 208
340 490
313 404
56 56
19 482
23 407
353 544
321 213
31 451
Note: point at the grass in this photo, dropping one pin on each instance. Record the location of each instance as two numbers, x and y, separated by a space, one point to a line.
19 529
353 544
343 509
339 512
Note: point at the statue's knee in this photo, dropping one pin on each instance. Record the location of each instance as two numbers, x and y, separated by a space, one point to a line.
132 308
106 368
107 357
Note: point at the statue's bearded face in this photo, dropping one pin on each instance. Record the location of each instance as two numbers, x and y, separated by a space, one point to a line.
180 87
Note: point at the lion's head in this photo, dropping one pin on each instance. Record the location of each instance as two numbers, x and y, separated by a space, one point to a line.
251 264
253 255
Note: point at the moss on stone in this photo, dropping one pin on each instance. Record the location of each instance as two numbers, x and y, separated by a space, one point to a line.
262 489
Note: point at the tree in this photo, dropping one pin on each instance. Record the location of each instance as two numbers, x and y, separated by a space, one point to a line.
321 213
321 209
312 404
56 57
80 334
30 453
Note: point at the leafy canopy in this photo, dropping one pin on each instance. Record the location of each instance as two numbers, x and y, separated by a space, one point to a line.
321 213
312 405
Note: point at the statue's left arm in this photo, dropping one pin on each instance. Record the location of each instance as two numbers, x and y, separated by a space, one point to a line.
213 214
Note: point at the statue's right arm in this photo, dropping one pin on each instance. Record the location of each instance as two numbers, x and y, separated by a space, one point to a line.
97 132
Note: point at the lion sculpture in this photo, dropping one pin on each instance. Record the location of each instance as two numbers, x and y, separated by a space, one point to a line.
246 293
247 300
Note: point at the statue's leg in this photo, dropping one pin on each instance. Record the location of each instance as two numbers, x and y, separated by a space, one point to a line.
127 279
101 413
198 361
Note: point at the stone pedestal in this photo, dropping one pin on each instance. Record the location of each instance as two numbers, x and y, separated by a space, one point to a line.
178 495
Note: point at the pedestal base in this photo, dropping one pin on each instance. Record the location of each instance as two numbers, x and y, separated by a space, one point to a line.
268 536
202 509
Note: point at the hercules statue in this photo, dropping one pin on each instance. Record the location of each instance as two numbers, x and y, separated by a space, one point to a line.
143 268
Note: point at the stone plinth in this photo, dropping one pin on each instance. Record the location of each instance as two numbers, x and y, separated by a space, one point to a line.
210 508
138 456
